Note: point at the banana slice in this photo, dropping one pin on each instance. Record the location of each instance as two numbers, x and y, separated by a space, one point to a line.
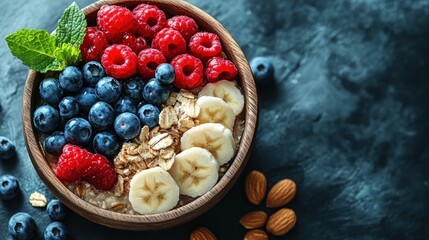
195 170
153 191
214 137
215 110
227 91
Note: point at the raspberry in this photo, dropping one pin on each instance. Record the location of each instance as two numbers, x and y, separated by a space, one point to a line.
93 44
218 68
169 42
184 24
148 60
189 71
150 20
119 61
135 43
205 45
115 21
105 176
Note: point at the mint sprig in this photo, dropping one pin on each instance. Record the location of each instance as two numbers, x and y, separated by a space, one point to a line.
44 52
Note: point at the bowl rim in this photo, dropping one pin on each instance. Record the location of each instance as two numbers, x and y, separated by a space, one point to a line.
188 211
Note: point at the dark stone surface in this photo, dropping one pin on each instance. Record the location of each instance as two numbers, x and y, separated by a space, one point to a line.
347 118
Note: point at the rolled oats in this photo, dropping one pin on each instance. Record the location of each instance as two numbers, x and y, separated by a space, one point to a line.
37 200
167 118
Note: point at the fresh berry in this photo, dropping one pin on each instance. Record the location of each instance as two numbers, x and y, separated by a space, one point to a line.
56 210
135 43
133 88
165 73
125 104
55 231
262 69
71 79
127 125
155 93
205 45
105 175
149 115
108 89
119 61
54 144
7 148
184 24
218 68
150 20
78 131
93 44
9 187
50 91
101 115
86 98
69 107
106 144
22 226
92 72
169 42
46 118
115 22
141 104
189 71
148 60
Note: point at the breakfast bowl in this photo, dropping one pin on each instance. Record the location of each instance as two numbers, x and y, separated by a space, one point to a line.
182 213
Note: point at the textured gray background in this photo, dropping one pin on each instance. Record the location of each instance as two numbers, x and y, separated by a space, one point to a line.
347 117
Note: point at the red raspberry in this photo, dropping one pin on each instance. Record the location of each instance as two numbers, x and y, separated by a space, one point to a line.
135 43
148 60
104 178
189 71
218 68
93 44
205 45
169 42
150 20
115 21
184 24
119 61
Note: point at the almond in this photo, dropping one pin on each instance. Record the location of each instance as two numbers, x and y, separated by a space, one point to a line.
281 222
202 233
255 219
256 234
255 186
281 193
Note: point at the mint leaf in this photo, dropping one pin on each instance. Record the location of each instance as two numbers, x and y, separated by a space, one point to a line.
71 27
67 54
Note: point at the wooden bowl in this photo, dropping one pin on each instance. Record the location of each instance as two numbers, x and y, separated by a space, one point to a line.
176 216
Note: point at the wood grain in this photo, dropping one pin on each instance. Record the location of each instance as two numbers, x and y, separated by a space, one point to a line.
175 216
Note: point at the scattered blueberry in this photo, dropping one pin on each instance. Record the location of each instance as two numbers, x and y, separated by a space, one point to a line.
127 125
149 115
9 187
165 73
106 144
86 98
50 91
71 79
108 89
92 72
155 93
78 131
125 104
69 107
262 69
101 115
22 226
56 210
46 118
54 144
55 231
133 88
7 148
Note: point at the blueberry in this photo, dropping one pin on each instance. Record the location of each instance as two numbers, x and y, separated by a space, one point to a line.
71 79
46 118
69 107
56 210
106 144
127 125
101 115
7 148
108 89
78 131
155 93
125 104
133 88
9 187
165 73
86 98
54 144
149 115
141 104
92 72
55 231
50 91
22 226
262 69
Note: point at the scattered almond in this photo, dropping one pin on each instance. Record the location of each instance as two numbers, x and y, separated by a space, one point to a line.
281 222
37 200
202 233
281 193
255 187
255 219
256 234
